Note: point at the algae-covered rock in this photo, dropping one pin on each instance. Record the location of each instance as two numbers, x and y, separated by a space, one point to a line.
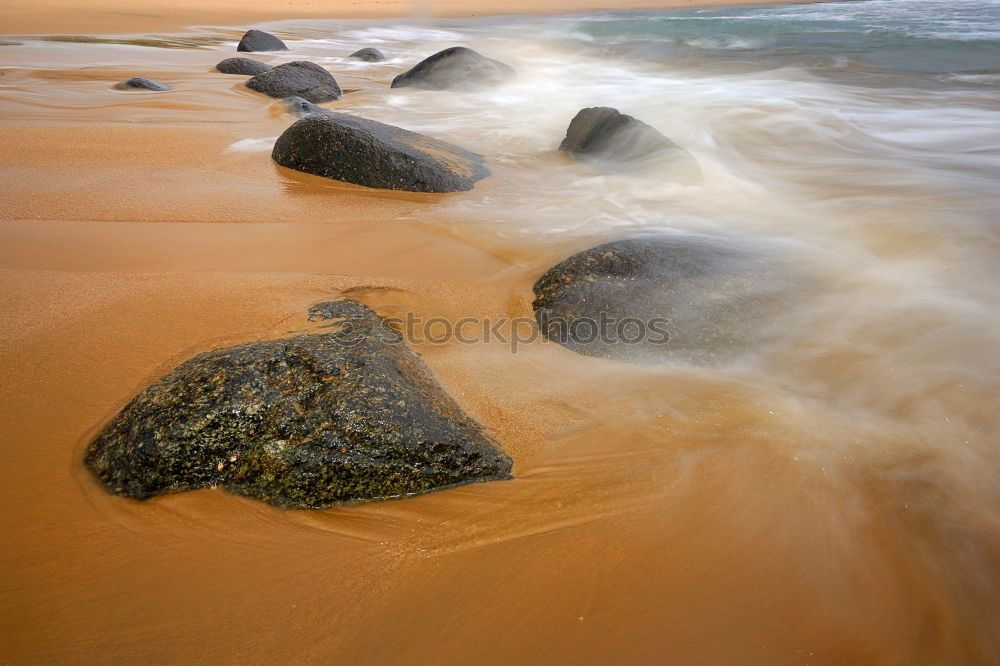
258 40
297 78
366 152
368 54
346 414
245 66
456 67
141 83
666 297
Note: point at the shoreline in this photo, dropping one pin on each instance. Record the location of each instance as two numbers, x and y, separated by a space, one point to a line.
111 17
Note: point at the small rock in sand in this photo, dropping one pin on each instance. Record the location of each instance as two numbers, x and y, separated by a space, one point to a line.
140 83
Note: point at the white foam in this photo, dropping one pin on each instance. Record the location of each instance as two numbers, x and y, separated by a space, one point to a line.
252 145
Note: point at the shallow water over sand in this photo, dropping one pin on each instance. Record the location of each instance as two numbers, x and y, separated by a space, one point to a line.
827 498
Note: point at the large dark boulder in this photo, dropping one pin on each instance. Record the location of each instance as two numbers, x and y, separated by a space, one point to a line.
298 78
366 152
258 40
140 83
346 414
665 297
457 67
244 66
368 55
610 135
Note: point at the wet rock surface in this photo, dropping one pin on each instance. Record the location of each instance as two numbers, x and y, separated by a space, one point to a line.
456 67
302 107
258 40
665 297
300 79
140 83
297 79
366 152
368 55
346 414
244 66
606 133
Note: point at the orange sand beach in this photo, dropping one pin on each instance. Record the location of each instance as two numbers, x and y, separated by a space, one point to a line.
110 17
830 501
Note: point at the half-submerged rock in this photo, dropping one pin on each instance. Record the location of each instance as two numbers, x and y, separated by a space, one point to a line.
258 40
368 54
244 66
665 297
366 152
302 107
610 135
140 83
348 414
298 78
457 67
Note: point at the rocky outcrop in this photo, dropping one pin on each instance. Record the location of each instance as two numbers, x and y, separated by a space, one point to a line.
140 83
346 414
457 67
366 152
300 79
244 66
608 134
368 55
258 40
665 297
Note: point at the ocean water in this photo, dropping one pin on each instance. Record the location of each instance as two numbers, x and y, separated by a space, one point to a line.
928 36
886 92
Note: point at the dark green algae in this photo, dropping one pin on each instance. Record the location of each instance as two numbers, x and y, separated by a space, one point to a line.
345 415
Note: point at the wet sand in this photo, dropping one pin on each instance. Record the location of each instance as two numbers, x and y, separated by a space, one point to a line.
657 515
552 564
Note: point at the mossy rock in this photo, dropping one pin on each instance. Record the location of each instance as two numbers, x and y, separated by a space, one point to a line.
347 414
